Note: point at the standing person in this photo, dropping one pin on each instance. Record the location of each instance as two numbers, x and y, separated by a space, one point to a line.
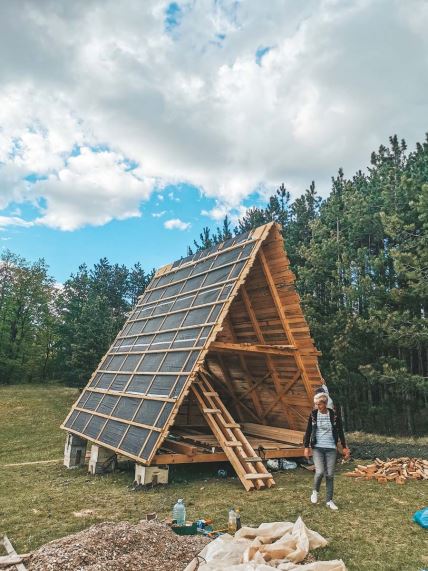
322 434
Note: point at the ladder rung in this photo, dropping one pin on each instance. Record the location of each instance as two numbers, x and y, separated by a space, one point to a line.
231 425
211 410
253 459
210 394
257 476
232 443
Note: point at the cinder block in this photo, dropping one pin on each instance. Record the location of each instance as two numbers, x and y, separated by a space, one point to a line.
102 460
74 451
151 475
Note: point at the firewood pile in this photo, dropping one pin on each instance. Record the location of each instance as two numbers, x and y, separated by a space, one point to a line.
397 470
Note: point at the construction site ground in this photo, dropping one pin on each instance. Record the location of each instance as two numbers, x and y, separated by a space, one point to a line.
41 502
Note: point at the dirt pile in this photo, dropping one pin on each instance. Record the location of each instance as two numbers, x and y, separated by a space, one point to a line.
148 545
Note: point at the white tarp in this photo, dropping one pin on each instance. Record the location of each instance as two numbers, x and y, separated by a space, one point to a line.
278 545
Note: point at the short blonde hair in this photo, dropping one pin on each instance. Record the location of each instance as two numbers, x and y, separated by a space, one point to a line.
320 397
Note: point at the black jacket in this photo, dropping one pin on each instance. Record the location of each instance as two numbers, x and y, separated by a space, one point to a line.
336 425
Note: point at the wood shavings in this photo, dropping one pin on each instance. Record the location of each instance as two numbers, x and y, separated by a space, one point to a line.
148 545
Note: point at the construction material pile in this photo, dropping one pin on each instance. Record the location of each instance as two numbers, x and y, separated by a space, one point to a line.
118 547
397 470
280 545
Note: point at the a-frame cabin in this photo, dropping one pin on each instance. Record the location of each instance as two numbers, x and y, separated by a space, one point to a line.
215 362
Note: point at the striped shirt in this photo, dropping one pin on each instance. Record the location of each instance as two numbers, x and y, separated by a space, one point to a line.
324 434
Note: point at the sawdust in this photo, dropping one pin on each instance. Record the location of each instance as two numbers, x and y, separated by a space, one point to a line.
148 545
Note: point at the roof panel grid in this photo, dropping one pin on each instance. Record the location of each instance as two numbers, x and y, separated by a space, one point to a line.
154 356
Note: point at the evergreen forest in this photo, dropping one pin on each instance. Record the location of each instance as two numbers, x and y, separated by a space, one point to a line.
361 261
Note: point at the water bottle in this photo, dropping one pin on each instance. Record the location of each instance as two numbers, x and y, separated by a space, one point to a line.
231 524
179 513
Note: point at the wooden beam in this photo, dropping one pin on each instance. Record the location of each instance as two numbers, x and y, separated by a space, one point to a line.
257 384
280 350
162 458
274 433
180 447
7 561
10 550
284 323
284 392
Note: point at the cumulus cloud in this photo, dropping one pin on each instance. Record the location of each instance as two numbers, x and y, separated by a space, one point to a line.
92 188
122 98
176 224
6 221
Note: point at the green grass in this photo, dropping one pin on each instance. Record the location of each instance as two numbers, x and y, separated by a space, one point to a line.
372 530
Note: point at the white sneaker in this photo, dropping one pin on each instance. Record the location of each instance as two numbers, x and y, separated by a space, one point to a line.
332 505
314 497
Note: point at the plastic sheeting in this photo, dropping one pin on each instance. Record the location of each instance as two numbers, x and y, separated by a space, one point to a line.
152 341
278 545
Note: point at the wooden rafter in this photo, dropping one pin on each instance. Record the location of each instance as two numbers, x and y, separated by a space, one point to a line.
256 385
269 361
284 323
284 391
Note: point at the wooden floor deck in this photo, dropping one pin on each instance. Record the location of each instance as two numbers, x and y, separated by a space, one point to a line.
194 444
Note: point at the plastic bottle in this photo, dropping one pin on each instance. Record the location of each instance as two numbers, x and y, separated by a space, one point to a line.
238 519
179 513
231 524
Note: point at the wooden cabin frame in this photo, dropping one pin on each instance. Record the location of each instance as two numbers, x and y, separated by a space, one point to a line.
250 391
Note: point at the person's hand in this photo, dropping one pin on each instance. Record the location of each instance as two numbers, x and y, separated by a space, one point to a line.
346 453
306 453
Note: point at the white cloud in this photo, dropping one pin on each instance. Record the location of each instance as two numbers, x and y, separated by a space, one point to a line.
176 224
151 106
92 188
159 214
6 221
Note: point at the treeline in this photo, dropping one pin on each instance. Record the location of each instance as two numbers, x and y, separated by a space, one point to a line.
361 261
60 332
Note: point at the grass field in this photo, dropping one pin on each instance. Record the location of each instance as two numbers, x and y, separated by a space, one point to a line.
372 529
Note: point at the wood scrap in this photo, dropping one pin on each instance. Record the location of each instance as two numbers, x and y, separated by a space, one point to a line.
7 561
10 550
397 470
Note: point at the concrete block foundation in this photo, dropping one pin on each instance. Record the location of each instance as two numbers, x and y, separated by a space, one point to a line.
102 460
74 451
146 475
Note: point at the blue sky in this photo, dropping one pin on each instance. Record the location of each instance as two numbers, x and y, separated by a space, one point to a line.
134 124
141 239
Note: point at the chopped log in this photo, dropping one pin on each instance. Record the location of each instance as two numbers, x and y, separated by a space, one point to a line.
398 470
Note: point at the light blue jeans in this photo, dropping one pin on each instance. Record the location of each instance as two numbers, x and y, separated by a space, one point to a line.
325 461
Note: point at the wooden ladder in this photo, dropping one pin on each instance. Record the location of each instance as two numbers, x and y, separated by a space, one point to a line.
248 466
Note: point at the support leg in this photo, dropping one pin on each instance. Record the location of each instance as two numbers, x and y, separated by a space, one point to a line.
102 460
74 451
